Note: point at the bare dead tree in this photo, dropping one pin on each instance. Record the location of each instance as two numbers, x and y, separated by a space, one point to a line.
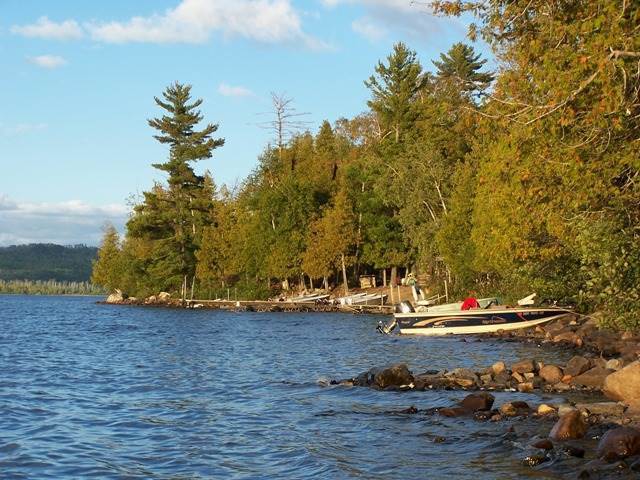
286 121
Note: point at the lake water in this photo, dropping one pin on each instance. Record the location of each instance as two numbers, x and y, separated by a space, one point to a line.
91 390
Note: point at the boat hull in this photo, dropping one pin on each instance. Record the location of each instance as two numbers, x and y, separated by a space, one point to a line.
474 321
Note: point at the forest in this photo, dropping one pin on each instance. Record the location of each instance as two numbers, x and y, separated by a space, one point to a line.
508 181
45 261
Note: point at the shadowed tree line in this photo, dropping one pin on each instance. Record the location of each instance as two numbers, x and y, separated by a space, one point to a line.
507 182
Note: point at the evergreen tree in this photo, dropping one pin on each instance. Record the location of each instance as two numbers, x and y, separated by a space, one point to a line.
460 68
395 88
108 267
174 216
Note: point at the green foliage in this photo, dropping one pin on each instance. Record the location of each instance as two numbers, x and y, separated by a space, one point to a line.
108 267
523 182
459 68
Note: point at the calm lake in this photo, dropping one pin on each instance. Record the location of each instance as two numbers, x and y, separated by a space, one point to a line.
102 391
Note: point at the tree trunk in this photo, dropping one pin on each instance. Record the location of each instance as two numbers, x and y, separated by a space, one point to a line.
384 277
344 275
394 276
326 284
311 283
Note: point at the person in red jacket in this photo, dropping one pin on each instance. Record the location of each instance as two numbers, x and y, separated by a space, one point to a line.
470 302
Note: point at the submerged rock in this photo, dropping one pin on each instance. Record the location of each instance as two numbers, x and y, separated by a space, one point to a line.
515 409
619 443
478 401
394 376
569 426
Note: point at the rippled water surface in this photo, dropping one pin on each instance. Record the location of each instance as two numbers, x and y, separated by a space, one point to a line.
90 390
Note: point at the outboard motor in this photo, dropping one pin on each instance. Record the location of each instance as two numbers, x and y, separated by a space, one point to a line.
404 307
386 328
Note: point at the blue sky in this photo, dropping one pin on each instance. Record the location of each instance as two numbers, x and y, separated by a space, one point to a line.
80 77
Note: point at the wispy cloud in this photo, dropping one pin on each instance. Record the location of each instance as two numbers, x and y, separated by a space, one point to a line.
234 91
20 129
369 29
413 18
46 29
48 61
57 222
194 21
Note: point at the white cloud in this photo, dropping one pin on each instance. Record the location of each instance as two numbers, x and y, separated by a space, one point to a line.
56 222
48 61
237 91
194 21
369 29
412 17
46 29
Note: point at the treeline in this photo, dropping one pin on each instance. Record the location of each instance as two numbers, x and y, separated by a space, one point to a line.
45 261
507 182
49 287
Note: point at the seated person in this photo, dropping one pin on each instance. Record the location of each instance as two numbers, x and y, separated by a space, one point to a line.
469 303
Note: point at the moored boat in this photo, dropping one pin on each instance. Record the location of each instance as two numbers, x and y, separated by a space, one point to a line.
489 317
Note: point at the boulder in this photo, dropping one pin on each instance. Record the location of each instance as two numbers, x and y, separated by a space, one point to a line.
394 376
619 443
593 378
517 377
164 297
569 426
478 401
116 297
498 368
523 366
544 409
624 385
551 374
150 300
576 366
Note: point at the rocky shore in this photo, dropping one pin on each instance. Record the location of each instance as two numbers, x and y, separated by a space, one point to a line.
164 299
614 421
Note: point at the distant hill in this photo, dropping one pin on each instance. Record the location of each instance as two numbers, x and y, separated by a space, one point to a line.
46 261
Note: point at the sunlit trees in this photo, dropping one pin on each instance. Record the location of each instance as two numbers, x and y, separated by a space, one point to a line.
108 267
